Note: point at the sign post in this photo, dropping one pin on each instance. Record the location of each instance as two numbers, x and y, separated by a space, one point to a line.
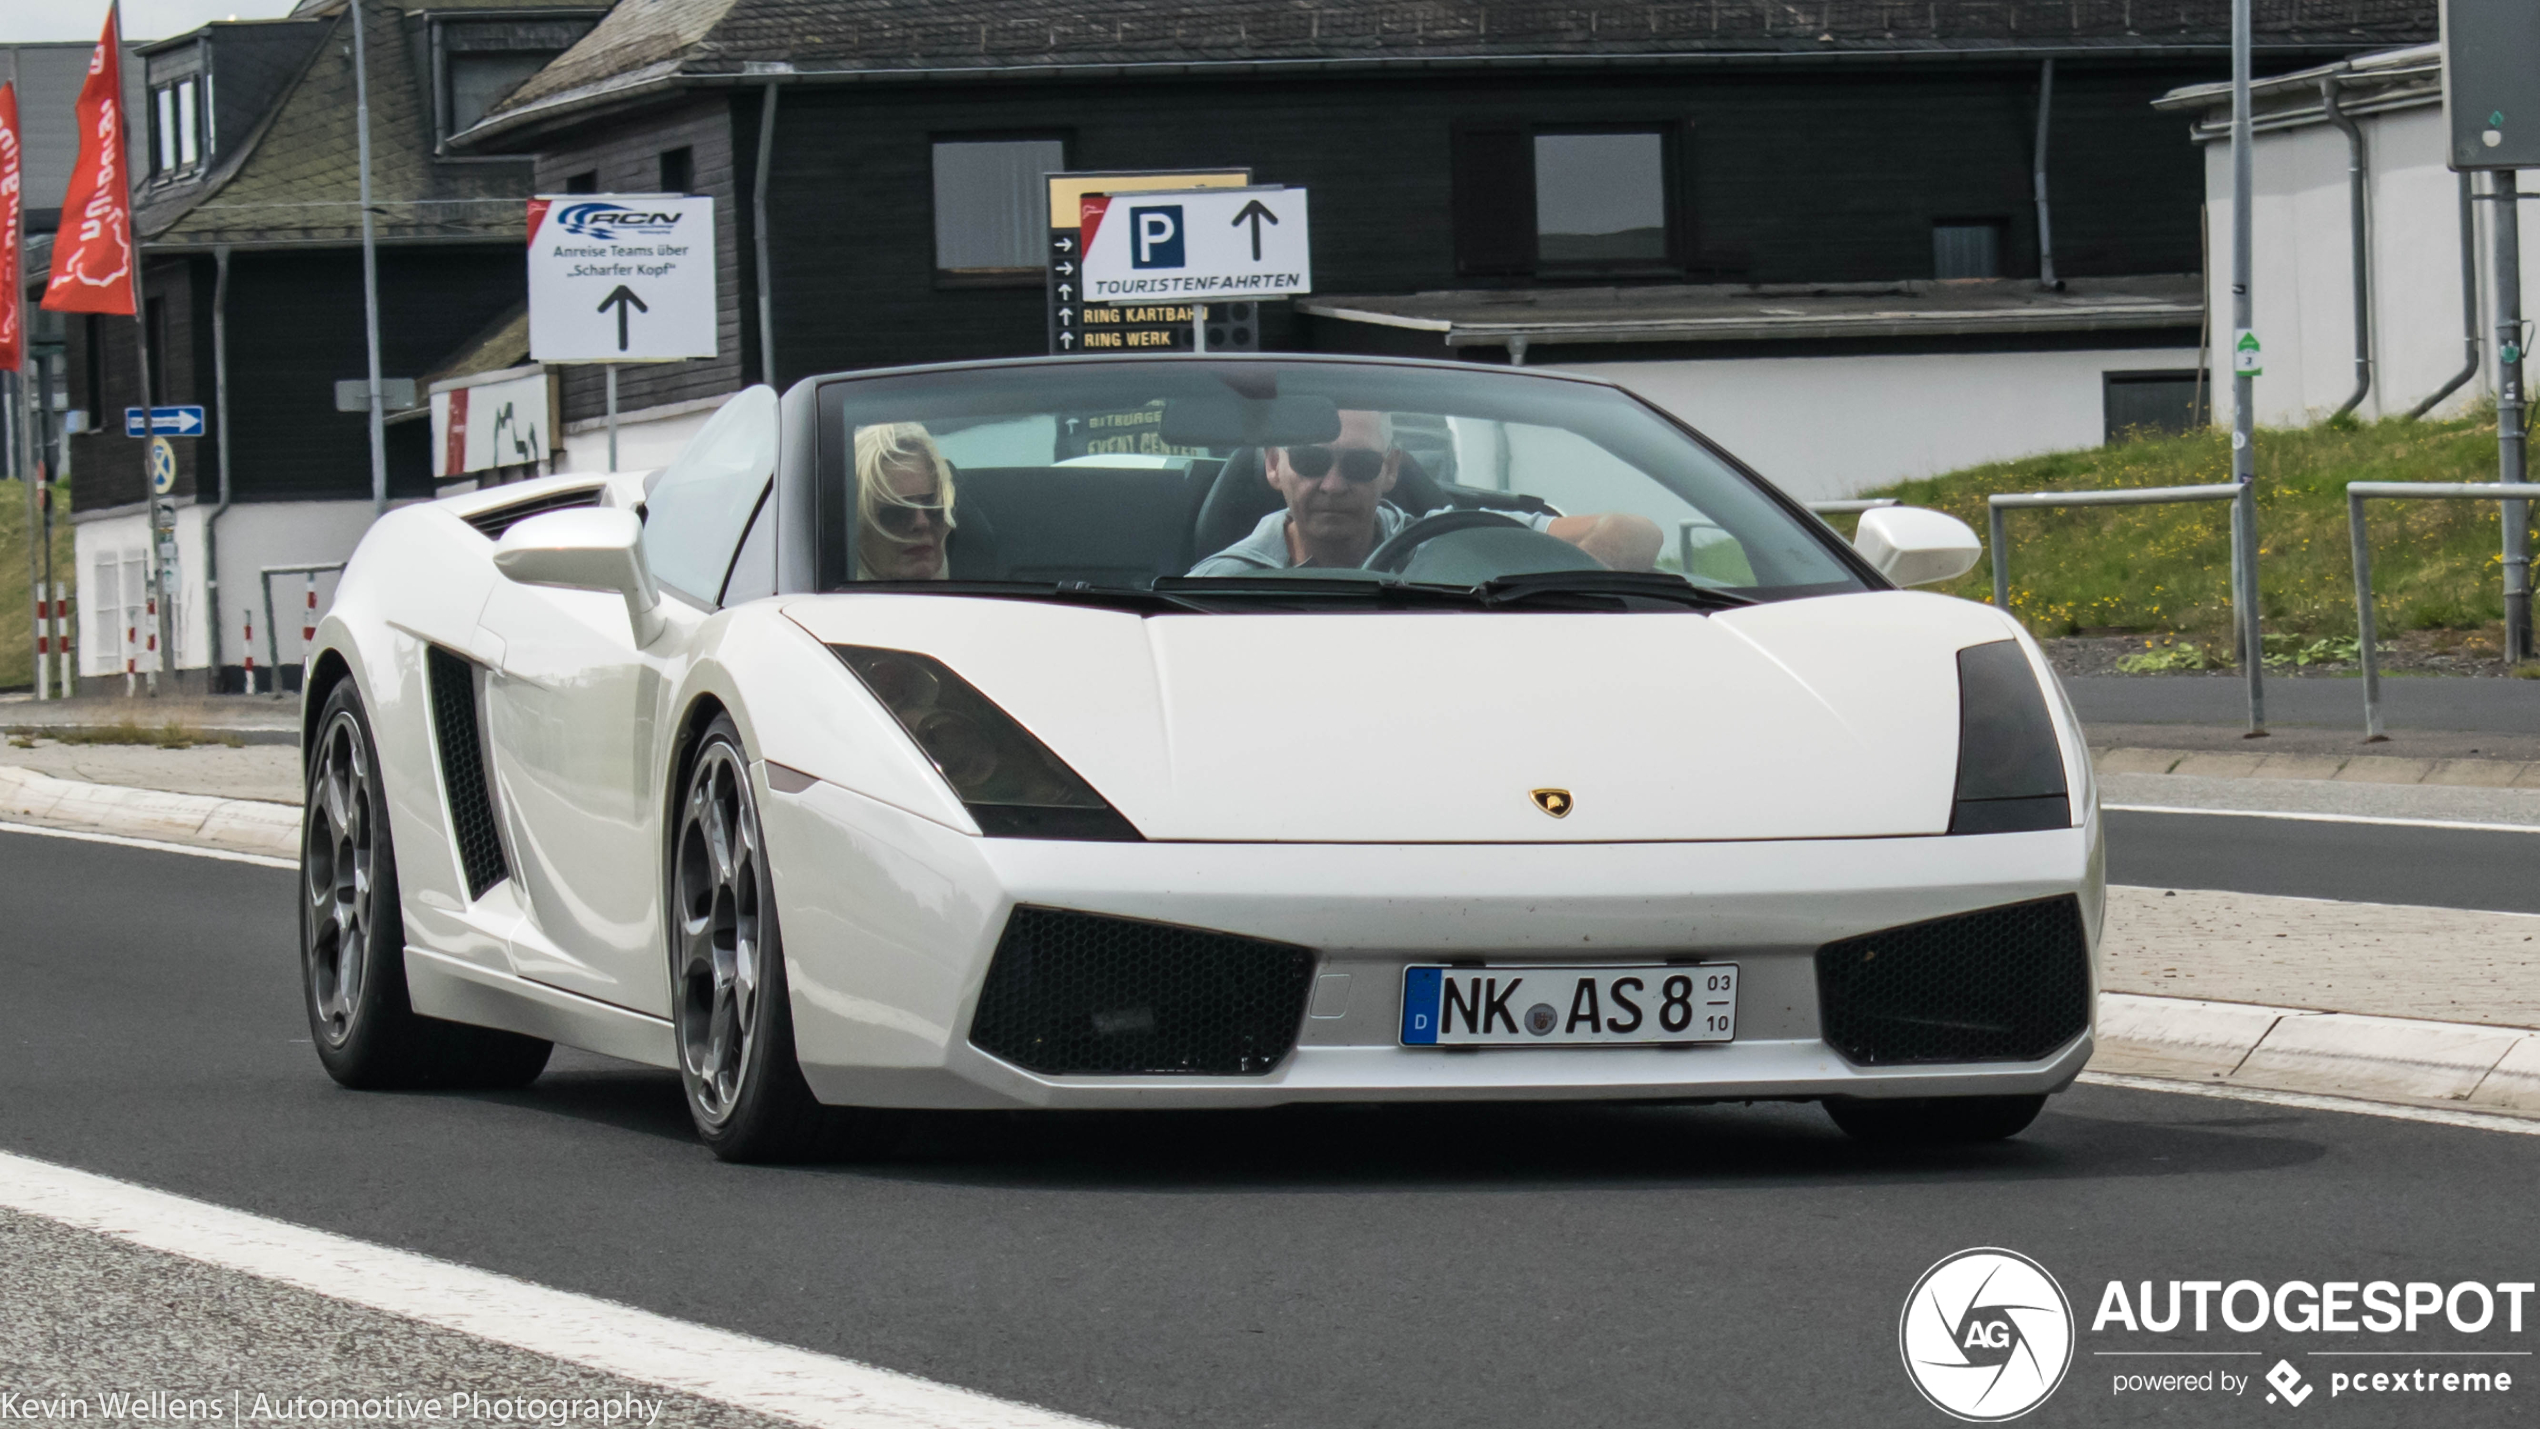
1076 322
619 278
2491 106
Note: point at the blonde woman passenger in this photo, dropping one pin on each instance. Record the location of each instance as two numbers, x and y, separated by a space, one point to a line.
904 503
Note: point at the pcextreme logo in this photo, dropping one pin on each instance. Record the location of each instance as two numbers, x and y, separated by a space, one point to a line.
1986 1335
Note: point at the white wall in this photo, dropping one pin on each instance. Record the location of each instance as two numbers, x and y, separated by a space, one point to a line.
252 536
1824 428
2301 283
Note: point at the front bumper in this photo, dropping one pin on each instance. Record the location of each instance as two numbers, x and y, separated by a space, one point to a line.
890 922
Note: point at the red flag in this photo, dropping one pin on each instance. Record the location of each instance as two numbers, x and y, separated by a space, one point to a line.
12 203
92 255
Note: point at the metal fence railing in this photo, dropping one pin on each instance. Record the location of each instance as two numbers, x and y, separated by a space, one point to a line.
2357 493
308 627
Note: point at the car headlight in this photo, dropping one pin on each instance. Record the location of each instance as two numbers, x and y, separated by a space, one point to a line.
2010 767
1010 782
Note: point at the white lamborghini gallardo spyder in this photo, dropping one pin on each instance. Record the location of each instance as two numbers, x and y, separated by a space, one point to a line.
1193 732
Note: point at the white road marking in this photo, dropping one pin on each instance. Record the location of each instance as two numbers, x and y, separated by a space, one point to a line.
154 845
2326 818
753 1374
2312 1101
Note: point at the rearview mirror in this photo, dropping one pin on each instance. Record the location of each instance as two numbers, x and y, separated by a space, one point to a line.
590 548
1224 419
1913 546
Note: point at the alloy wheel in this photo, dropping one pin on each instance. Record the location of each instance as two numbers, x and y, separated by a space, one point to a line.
719 951
337 861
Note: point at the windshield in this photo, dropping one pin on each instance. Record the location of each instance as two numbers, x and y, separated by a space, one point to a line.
1210 481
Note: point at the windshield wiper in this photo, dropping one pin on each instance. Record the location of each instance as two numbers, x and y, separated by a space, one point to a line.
1380 594
1115 597
1617 586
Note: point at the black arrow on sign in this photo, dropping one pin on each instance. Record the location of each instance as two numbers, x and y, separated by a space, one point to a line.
1255 212
624 298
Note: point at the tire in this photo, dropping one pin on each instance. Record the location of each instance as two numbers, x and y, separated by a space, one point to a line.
353 935
1934 1121
731 1013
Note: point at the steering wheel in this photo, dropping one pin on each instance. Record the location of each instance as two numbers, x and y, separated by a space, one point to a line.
1395 553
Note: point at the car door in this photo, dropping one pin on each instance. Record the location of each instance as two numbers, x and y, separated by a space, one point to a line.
579 722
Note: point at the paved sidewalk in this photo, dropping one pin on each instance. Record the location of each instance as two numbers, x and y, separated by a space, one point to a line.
254 771
254 719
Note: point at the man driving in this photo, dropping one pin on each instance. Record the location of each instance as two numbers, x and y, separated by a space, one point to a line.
1336 514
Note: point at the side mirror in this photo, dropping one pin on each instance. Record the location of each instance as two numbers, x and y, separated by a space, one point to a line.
1913 546
589 548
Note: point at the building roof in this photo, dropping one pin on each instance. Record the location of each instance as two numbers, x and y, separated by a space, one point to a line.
647 47
1793 312
2367 84
295 179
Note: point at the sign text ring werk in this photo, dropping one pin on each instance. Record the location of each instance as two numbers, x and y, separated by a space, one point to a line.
621 278
1197 245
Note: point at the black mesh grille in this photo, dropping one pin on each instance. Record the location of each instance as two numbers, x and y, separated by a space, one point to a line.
1078 993
495 522
453 690
2005 984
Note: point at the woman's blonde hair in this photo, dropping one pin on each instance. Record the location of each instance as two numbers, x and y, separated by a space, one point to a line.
896 446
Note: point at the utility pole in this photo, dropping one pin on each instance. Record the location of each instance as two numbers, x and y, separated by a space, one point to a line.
2244 371
2509 405
370 267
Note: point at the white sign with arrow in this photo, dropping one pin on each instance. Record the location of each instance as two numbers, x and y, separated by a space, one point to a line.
621 278
1197 245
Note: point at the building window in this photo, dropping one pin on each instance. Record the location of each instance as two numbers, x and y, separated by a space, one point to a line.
679 170
176 127
2137 404
585 182
991 207
1540 201
478 63
1601 199
1967 248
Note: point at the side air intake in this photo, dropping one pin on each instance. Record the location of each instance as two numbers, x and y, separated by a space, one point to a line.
451 684
493 522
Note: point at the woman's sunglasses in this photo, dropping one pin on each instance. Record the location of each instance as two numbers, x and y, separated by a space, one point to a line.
1357 464
903 520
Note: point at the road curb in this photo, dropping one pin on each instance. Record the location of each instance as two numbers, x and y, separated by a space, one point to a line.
2393 1059
237 825
2471 773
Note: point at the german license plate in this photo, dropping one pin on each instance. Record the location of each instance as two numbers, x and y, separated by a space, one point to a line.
1568 1005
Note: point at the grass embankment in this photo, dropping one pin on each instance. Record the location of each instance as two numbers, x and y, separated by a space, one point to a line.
2167 569
17 621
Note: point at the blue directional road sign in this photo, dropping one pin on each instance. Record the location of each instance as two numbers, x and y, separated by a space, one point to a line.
164 422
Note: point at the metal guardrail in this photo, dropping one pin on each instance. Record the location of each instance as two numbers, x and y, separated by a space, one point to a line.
273 637
2357 493
2029 500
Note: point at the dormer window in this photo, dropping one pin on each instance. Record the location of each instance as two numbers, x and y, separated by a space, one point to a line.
478 63
176 128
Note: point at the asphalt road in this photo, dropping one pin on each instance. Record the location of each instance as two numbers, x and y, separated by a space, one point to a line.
2360 863
1324 1267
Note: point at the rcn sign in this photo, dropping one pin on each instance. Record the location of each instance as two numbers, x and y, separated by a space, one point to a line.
1196 245
621 278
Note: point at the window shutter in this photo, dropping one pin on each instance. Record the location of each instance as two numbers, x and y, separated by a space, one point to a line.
1494 200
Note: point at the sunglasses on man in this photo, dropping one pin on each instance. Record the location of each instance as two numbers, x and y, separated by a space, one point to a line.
1358 465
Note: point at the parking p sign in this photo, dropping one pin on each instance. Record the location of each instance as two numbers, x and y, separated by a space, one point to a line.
1197 245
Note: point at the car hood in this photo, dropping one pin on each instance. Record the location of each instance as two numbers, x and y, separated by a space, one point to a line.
1828 718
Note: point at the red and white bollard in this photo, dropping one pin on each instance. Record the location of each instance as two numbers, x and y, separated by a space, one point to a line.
308 624
250 648
131 651
62 636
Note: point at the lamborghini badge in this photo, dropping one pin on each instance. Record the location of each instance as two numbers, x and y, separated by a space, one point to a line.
1555 802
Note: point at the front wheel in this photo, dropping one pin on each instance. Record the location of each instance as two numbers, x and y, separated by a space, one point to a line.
729 1004
353 935
1934 1121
